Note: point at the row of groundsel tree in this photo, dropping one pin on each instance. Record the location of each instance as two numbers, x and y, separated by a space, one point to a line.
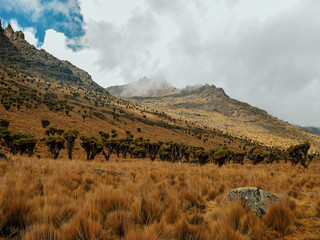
57 139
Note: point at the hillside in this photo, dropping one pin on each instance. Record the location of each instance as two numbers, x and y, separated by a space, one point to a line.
209 106
312 130
35 86
16 52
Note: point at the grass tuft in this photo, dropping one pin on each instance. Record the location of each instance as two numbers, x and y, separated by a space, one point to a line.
279 217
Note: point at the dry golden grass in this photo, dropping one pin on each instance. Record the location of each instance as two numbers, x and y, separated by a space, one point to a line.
62 199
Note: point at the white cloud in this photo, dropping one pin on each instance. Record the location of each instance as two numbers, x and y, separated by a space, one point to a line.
29 6
57 44
126 49
37 8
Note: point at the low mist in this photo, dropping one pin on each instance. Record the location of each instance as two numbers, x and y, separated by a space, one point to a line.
146 87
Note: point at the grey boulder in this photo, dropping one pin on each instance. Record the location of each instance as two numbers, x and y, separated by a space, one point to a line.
252 198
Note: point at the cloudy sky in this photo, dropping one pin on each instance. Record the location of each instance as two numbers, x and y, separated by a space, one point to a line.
264 52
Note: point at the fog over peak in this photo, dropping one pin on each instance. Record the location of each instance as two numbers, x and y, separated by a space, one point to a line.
144 87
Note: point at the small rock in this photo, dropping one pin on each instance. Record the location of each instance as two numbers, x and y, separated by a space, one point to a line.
254 199
115 174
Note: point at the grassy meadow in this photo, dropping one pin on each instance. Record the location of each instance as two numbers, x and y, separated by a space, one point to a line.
139 199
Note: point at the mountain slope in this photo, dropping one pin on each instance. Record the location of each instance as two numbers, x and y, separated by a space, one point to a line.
312 130
15 51
209 106
34 86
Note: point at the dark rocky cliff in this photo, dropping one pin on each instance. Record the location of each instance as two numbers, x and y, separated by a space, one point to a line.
16 52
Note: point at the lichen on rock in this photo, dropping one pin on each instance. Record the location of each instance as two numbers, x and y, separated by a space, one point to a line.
253 199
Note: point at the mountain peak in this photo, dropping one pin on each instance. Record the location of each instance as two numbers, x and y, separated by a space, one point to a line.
144 87
9 31
17 52
212 90
12 35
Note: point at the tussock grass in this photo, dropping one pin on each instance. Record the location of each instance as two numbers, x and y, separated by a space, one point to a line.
41 231
279 217
59 199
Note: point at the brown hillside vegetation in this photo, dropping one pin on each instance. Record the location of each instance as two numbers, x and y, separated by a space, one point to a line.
211 107
139 199
35 86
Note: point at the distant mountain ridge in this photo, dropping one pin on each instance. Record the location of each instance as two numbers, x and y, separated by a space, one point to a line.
312 130
209 106
14 49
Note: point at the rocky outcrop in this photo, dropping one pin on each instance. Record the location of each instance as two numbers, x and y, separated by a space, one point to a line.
19 35
9 31
253 199
12 35
16 52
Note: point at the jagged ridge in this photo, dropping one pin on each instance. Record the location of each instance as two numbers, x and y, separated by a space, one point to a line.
14 50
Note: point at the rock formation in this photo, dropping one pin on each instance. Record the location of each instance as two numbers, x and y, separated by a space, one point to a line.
12 35
18 53
253 199
9 31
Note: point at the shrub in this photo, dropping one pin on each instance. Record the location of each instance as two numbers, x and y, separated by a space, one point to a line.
59 131
4 123
45 123
70 137
256 155
5 135
221 155
24 144
55 144
6 105
92 146
51 131
104 134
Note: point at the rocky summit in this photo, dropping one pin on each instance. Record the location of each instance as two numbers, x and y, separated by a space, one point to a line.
16 51
12 35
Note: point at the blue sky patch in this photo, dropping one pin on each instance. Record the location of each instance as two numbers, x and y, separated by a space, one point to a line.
66 18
